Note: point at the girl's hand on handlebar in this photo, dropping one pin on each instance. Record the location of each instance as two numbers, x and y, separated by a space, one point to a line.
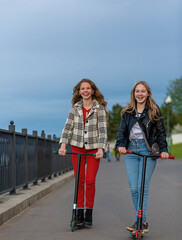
99 153
122 150
164 155
62 150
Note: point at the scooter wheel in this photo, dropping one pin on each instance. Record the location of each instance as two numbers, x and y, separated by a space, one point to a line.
73 226
140 236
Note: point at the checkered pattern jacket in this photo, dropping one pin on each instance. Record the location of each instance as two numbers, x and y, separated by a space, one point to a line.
93 134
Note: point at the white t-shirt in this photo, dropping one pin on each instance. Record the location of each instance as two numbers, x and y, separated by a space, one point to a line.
136 132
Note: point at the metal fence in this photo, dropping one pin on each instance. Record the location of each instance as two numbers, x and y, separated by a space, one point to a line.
26 159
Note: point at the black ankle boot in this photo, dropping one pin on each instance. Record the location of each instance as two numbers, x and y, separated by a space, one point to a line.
88 217
80 217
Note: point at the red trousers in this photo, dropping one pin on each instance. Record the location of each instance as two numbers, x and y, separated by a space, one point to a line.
91 172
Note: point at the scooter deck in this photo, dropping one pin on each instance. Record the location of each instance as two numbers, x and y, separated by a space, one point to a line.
134 236
74 226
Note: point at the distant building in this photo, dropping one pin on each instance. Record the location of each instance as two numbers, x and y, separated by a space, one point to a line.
176 135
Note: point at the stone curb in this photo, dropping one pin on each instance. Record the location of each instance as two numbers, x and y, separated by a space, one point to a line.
11 205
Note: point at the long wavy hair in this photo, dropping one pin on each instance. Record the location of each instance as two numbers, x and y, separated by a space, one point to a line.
153 112
97 94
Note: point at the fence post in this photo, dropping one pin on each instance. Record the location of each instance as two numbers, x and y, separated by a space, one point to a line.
43 136
24 132
12 130
49 138
36 157
54 137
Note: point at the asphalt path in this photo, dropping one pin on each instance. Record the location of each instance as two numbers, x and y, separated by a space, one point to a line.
49 218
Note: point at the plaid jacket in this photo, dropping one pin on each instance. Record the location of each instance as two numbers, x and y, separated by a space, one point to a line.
93 134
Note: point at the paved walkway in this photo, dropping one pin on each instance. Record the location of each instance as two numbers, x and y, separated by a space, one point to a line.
49 217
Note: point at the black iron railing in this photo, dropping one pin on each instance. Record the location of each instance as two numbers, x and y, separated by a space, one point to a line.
26 159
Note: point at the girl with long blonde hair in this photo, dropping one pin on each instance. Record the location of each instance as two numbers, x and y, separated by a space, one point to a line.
141 116
153 111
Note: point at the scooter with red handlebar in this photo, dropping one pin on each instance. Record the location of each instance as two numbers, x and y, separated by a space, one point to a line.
73 223
139 232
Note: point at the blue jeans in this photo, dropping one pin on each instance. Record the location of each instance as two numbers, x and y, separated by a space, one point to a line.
134 166
109 156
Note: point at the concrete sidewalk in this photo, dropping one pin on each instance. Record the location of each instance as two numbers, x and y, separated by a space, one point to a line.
11 205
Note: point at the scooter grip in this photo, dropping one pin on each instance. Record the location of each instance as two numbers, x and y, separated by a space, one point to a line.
128 152
104 155
170 157
56 152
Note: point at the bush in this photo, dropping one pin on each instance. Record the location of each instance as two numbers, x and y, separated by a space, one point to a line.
176 150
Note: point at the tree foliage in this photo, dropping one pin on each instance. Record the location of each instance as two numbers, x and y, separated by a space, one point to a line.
175 107
175 91
114 120
173 117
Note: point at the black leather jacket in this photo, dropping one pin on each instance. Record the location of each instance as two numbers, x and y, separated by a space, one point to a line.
154 131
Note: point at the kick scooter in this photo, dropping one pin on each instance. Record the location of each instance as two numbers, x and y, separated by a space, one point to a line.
74 217
139 233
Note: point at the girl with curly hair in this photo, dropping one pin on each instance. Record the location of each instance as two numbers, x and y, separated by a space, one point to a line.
87 122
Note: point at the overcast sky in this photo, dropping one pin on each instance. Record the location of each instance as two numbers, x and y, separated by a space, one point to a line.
47 46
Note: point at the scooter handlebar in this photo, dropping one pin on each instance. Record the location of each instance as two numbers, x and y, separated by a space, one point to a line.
104 155
170 157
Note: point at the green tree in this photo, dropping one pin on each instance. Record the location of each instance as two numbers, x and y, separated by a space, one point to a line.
175 91
175 107
114 120
172 116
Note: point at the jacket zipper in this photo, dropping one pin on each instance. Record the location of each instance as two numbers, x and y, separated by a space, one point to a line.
147 125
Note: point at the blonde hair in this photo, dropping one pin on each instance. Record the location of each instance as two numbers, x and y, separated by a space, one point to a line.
97 94
153 112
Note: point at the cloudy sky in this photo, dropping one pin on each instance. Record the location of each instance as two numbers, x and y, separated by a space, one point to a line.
47 46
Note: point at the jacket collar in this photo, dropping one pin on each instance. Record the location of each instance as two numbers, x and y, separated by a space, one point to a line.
79 106
144 111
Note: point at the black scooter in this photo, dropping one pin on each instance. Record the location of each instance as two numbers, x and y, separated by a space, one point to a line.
139 233
74 217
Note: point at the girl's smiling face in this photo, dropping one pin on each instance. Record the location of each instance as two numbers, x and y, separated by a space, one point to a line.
141 93
86 90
